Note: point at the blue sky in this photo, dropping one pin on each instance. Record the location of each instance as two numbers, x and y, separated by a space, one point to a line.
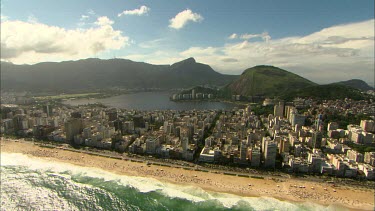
334 38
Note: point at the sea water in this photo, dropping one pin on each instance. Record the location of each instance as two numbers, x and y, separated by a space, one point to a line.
30 183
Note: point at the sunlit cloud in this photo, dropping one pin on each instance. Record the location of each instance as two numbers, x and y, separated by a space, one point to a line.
104 21
233 36
143 10
32 42
32 19
91 12
184 17
265 36
84 17
4 18
335 53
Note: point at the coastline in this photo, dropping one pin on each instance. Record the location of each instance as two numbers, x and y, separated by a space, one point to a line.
352 198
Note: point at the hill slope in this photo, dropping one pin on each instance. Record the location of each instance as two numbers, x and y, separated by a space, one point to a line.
89 74
328 91
357 84
268 81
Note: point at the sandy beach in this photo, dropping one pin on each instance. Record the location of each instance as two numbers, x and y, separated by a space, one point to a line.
352 198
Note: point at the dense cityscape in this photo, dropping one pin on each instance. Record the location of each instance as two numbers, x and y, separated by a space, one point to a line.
187 105
297 137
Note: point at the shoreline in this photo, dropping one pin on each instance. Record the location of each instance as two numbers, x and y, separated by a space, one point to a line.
240 103
349 197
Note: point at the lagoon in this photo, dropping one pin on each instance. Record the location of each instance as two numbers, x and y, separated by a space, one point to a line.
152 101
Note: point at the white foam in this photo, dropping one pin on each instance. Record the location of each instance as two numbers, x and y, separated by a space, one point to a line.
144 184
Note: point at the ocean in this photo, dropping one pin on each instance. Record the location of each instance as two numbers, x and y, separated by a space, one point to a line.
37 184
152 101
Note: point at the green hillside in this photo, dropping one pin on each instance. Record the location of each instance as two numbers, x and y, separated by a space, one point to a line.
268 81
357 84
329 91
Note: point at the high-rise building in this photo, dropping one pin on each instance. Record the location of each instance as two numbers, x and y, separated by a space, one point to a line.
318 122
270 154
87 133
47 109
287 110
332 126
185 143
151 145
317 139
73 127
138 121
279 110
255 157
243 151
284 146
295 118
370 158
368 125
112 116
355 156
165 125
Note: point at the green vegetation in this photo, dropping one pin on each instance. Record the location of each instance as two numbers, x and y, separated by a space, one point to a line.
328 92
268 81
361 148
357 84
344 120
262 110
271 81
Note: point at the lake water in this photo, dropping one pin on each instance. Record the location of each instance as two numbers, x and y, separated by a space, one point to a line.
152 101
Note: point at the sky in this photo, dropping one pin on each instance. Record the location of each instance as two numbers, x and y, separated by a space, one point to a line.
324 41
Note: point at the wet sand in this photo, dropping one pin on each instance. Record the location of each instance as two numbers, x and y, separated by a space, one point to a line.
283 189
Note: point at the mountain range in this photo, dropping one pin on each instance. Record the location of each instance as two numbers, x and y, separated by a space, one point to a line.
94 74
97 74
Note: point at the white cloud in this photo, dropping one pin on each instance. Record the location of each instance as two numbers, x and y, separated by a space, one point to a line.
83 20
199 51
153 43
104 21
182 18
157 57
336 53
248 36
4 18
233 36
91 12
32 19
84 17
265 36
143 10
32 42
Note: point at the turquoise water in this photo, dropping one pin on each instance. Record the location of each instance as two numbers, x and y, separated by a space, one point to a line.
36 184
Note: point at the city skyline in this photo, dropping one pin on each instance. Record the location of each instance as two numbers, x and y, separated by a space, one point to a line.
325 42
